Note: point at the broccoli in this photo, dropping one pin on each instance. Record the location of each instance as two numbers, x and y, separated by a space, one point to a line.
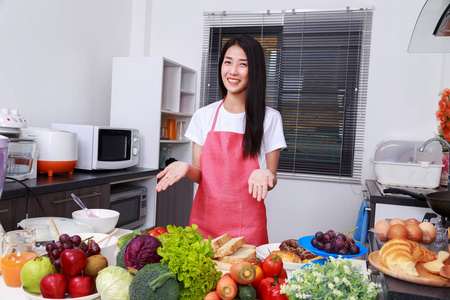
154 282
120 258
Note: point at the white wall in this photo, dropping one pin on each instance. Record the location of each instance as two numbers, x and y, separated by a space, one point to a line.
55 66
56 58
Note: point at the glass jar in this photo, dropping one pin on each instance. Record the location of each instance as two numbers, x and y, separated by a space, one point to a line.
17 248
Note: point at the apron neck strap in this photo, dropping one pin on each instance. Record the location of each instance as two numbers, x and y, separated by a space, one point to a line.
215 115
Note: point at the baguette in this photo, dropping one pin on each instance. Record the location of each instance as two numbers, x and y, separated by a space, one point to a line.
229 247
220 241
242 254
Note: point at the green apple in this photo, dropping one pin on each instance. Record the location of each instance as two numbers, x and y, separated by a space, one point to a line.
33 271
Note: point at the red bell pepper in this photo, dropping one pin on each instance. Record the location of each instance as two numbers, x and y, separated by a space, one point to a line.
269 288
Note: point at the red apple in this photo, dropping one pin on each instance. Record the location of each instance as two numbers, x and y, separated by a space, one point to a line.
53 286
73 261
80 286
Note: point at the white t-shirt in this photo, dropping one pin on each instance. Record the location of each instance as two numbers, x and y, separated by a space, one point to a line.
202 120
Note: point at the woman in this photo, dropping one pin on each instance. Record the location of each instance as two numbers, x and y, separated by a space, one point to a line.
236 148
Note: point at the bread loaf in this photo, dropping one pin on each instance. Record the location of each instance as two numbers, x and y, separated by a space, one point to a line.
400 255
229 247
220 241
242 254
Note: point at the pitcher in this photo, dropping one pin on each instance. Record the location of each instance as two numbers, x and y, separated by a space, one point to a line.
17 248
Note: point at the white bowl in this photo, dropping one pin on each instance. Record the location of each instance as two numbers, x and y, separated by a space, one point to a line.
107 247
105 223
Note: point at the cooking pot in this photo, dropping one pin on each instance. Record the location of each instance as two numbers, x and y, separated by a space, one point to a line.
439 202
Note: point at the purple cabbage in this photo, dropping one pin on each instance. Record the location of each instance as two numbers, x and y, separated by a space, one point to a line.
142 250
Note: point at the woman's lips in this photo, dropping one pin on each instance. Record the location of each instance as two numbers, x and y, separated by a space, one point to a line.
233 81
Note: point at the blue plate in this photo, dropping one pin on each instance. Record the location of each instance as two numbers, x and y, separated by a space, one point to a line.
305 242
319 261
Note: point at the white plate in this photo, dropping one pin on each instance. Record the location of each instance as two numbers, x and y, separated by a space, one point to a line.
34 296
64 225
263 251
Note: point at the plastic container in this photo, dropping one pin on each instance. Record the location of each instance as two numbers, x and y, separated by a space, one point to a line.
401 163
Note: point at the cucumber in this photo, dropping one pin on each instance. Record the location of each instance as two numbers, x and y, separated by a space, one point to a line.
246 292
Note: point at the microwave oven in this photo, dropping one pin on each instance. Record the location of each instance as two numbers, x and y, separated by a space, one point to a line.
131 202
104 147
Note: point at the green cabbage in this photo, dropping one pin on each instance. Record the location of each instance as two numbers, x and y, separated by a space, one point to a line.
113 283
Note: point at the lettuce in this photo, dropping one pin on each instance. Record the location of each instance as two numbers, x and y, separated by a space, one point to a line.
113 283
188 255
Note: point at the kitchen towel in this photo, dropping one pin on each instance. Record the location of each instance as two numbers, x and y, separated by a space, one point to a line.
362 223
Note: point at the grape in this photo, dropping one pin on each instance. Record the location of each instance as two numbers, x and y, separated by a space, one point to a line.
95 249
67 245
84 246
319 235
332 234
342 251
341 236
64 238
57 264
314 242
339 243
327 238
75 240
55 254
354 249
50 247
320 245
351 241
328 248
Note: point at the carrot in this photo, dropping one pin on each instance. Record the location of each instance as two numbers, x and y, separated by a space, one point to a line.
212 296
227 288
243 272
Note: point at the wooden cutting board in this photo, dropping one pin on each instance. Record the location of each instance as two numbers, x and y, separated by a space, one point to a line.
425 277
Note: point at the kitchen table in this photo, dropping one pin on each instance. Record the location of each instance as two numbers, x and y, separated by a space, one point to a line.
16 293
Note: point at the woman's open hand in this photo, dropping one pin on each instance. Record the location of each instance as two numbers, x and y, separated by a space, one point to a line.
259 183
171 174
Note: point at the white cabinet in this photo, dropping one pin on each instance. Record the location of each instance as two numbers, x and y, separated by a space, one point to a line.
146 92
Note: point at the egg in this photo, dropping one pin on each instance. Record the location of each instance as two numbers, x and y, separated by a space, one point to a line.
397 231
412 221
397 221
429 232
414 232
381 229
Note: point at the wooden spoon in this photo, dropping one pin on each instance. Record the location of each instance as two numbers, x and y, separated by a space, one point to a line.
54 227
108 236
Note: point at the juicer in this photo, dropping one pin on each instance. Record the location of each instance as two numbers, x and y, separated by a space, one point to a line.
22 155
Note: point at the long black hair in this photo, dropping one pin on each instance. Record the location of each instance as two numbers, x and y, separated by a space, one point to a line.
255 101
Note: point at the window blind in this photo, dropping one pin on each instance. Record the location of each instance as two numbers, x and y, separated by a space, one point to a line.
317 65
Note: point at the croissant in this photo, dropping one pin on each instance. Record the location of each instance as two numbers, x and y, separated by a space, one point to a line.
400 255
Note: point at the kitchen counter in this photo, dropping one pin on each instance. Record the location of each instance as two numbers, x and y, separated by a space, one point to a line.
402 290
80 178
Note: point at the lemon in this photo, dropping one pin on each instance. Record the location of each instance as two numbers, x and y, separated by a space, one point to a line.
33 271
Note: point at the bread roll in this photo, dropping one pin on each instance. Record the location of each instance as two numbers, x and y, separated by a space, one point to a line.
400 255
287 256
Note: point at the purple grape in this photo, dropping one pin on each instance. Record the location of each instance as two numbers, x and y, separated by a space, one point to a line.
328 248
67 245
84 246
75 240
55 254
57 264
354 249
319 235
64 238
327 238
314 242
332 234
320 245
339 243
95 249
351 241
341 236
342 251
50 247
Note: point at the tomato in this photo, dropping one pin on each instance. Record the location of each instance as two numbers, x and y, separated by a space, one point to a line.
258 277
161 230
269 289
272 265
283 274
153 233
256 262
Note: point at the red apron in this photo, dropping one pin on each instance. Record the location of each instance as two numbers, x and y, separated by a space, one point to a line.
222 203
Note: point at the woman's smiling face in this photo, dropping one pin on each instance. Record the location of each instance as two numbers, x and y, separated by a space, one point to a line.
234 70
